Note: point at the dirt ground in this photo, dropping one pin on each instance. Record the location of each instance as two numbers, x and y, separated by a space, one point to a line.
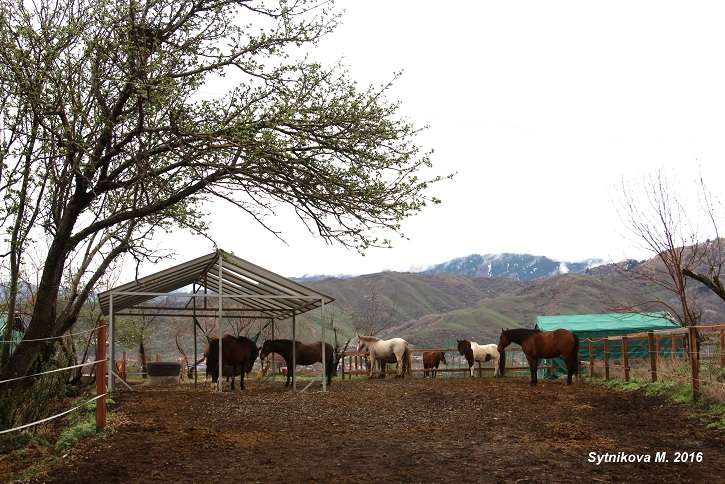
392 430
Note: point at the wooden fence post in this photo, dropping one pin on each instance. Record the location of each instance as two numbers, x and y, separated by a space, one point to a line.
652 356
606 358
722 348
101 377
694 363
625 358
591 358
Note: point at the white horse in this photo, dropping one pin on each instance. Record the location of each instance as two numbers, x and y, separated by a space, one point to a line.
475 352
380 350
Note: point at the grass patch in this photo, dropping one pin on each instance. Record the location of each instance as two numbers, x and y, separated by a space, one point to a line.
712 413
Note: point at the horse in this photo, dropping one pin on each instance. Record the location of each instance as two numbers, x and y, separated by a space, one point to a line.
385 350
431 359
237 352
384 362
543 344
475 352
305 354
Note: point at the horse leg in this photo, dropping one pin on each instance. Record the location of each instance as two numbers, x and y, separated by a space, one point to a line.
399 374
571 369
534 366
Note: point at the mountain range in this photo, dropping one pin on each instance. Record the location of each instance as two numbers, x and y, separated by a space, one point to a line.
474 297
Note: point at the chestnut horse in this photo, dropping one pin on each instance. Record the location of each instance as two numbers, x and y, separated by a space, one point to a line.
475 352
239 353
305 354
543 344
431 359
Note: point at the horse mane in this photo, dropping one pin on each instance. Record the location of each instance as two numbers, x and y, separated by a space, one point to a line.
467 350
369 338
519 335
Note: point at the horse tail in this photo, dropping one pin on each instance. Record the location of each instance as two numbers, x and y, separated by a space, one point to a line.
408 360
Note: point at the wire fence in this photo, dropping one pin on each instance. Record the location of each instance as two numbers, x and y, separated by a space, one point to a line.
101 364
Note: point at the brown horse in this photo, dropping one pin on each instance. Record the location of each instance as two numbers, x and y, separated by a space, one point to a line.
305 354
431 359
237 352
543 344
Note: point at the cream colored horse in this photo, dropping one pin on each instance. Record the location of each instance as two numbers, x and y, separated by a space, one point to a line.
389 349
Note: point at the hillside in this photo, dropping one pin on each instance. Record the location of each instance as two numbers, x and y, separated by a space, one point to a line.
433 310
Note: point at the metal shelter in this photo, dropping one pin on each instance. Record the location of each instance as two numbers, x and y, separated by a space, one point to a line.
222 276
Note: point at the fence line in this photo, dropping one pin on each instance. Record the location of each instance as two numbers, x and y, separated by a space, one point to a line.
101 393
702 344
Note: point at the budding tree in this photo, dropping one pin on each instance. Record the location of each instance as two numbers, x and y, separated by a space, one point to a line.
107 136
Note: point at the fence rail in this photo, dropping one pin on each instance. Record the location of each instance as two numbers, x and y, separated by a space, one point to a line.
699 346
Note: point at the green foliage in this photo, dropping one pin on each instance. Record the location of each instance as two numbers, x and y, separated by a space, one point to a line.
74 433
671 389
717 416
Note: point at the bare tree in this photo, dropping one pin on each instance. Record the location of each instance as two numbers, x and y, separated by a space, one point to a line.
668 226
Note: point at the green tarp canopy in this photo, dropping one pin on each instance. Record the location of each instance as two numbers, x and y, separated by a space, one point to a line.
597 326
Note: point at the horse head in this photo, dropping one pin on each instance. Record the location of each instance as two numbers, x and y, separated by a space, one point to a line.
361 344
503 341
253 352
264 351
443 358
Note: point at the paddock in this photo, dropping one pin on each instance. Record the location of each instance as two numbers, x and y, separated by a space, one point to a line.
393 430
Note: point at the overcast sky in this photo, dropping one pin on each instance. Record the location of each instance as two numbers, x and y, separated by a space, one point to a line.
541 108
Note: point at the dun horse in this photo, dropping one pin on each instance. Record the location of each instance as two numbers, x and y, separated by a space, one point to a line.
543 344
431 360
239 353
475 352
305 354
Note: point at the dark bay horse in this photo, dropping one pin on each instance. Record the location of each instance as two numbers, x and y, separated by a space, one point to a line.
431 359
238 352
305 354
543 344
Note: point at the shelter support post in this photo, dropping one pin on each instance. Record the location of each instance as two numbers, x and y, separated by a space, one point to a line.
294 352
324 360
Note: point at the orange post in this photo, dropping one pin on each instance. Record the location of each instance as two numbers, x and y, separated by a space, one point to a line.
625 358
652 356
101 377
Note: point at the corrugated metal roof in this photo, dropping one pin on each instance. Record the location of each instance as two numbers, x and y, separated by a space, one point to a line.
252 286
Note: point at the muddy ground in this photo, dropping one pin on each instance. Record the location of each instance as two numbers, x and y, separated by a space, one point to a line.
392 430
